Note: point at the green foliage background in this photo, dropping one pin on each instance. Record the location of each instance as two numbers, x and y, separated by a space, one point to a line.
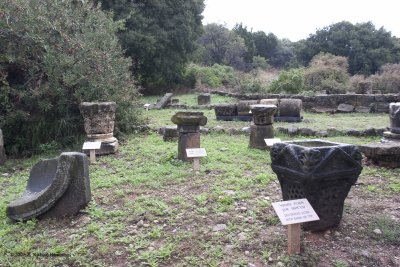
160 36
54 55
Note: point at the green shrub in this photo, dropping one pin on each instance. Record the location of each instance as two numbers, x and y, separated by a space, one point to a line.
260 63
387 80
250 82
359 84
327 73
213 77
54 55
290 81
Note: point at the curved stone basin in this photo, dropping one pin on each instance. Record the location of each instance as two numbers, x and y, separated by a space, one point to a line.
48 182
321 171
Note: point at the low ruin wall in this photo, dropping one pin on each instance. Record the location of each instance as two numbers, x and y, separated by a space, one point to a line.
371 102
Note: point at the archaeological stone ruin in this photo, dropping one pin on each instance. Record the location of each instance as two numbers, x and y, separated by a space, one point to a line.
99 120
204 99
261 127
188 131
387 152
56 187
288 110
321 171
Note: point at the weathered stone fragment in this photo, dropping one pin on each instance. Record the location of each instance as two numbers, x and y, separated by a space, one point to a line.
243 107
346 108
290 108
394 115
188 130
99 120
164 101
386 154
61 183
170 133
261 128
99 117
321 171
204 99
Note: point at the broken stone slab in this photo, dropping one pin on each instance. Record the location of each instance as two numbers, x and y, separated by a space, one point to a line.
57 187
346 108
2 151
384 154
164 101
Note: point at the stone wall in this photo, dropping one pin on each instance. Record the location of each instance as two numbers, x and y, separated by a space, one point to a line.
373 103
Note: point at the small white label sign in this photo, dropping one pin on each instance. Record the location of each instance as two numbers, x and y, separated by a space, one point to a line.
91 145
295 211
272 141
196 152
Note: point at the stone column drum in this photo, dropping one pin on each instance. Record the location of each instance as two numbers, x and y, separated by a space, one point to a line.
2 151
99 125
204 99
261 127
188 130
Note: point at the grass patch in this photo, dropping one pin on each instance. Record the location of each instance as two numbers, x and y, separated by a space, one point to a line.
390 230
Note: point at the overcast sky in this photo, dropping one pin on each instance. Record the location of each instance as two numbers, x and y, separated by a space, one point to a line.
297 19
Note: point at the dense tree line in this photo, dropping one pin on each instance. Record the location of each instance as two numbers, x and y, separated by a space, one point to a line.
241 48
159 36
366 47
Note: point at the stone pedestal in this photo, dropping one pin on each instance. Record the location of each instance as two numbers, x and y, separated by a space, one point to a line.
261 128
394 115
2 151
387 152
204 99
99 120
188 131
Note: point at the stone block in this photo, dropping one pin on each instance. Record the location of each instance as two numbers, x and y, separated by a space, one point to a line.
290 108
226 110
204 99
345 108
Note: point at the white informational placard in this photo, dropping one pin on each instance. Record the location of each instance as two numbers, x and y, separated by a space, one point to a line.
146 106
196 152
272 141
295 211
91 145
